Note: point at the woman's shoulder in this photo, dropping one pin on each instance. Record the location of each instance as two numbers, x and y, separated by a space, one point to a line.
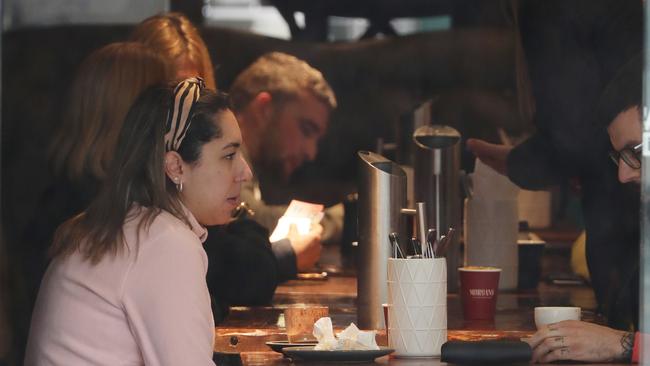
166 245
168 258
165 229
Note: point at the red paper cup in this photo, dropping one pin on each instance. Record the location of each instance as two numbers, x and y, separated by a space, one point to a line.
478 291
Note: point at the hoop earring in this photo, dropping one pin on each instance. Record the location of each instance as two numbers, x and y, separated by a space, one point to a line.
179 185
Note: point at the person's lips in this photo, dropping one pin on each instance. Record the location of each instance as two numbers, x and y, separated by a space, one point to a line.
233 200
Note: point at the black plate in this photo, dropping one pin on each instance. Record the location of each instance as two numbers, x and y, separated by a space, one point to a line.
309 354
277 346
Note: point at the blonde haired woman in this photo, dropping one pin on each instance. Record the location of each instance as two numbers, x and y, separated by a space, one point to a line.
106 84
177 39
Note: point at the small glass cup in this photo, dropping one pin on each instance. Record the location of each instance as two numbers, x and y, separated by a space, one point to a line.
299 321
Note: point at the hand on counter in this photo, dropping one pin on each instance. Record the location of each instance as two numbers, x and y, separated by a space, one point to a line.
580 341
493 155
306 247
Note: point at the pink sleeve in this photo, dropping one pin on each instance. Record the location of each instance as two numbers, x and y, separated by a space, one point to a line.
167 301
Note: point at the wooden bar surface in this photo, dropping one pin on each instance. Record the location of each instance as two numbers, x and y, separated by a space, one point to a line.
246 329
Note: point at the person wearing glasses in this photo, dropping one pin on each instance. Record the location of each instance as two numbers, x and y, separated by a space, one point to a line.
630 155
574 51
583 341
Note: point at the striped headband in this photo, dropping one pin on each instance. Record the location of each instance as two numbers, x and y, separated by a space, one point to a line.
186 93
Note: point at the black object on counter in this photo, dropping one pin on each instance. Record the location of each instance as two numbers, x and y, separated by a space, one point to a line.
226 359
486 352
530 265
350 234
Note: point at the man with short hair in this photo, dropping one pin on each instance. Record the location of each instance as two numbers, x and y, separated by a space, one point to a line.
283 107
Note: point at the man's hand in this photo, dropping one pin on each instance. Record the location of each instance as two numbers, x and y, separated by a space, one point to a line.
495 156
580 341
307 247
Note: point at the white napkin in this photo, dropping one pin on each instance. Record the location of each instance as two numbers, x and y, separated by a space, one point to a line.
351 338
324 334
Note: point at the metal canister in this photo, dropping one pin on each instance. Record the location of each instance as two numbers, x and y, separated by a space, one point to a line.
437 183
382 195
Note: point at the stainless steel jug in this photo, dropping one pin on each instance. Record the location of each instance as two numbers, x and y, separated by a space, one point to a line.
437 183
382 195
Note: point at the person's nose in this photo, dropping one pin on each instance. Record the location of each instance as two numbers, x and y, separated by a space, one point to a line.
311 149
245 173
628 174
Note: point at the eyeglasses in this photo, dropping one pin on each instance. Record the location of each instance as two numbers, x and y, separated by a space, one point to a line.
630 155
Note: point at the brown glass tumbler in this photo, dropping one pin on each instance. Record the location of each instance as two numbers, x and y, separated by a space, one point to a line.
300 319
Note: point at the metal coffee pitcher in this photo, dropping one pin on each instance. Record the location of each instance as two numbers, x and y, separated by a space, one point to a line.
437 183
382 195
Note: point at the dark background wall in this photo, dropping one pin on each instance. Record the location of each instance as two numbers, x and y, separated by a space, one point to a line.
471 70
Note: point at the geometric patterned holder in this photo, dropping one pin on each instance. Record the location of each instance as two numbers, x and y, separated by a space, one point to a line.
417 306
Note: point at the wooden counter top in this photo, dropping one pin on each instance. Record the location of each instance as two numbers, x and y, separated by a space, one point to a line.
246 329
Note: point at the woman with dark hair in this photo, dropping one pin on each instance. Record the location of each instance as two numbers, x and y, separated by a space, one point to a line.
127 279
249 267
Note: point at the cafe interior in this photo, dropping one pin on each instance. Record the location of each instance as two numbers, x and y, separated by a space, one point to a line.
472 195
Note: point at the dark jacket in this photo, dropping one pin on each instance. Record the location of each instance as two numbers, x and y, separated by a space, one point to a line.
574 50
242 269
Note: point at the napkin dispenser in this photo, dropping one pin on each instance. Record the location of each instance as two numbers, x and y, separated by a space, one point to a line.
491 224
382 195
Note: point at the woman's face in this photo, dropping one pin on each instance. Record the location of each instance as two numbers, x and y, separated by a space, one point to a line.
211 185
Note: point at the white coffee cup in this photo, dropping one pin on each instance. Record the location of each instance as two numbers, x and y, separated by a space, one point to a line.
553 314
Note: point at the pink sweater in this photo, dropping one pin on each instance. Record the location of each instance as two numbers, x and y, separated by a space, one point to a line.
148 306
